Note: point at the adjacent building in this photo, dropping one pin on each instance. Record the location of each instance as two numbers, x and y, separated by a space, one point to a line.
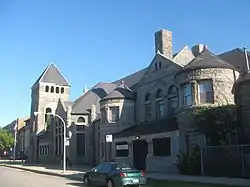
152 106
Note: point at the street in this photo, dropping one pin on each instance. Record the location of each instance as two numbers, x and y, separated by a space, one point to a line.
18 178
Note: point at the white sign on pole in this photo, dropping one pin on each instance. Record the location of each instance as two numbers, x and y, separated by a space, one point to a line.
109 138
67 143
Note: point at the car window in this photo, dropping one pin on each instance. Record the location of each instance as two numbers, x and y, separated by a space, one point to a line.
106 168
98 168
123 167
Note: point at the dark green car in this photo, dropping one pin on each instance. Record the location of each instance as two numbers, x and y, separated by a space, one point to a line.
114 174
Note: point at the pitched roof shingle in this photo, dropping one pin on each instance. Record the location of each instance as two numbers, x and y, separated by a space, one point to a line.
52 75
206 59
122 91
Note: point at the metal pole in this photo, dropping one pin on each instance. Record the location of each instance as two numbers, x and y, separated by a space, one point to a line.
202 166
15 136
242 161
64 142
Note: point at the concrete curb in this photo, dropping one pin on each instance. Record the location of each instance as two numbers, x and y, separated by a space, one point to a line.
43 172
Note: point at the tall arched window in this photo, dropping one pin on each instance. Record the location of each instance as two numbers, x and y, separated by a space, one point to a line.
46 88
62 90
173 98
160 104
57 89
47 111
148 111
52 89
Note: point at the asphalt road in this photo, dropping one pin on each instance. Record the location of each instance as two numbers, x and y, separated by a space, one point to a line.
18 178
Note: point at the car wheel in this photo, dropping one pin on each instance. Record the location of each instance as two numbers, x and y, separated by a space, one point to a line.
86 180
110 183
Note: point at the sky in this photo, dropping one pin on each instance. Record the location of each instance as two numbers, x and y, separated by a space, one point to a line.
93 41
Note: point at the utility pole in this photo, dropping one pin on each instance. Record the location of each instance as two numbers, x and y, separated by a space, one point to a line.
14 150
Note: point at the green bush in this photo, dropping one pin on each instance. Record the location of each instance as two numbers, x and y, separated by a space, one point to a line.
189 163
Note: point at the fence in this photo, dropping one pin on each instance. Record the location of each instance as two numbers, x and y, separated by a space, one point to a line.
226 161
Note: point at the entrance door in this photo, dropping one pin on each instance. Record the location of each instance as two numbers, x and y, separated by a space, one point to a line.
140 151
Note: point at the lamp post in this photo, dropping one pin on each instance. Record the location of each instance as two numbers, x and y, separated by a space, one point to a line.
64 137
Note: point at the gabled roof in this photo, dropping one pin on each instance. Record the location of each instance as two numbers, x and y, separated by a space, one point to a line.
236 57
92 97
121 92
52 75
206 59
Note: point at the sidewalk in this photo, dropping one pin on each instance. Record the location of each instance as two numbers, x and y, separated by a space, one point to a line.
78 171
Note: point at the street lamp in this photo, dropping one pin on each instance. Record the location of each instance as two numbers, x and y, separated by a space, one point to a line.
65 139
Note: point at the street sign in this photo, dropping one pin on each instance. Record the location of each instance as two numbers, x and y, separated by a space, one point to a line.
109 138
67 143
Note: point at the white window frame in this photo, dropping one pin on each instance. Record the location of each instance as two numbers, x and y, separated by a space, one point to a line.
208 84
111 119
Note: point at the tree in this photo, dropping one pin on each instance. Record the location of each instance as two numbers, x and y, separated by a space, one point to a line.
216 122
6 139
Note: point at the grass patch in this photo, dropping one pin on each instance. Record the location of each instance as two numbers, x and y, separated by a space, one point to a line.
164 183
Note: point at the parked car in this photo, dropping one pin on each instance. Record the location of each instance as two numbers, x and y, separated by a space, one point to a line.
114 174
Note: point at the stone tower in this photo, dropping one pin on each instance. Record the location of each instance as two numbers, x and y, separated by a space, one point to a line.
45 94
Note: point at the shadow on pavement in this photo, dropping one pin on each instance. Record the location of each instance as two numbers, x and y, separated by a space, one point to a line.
75 184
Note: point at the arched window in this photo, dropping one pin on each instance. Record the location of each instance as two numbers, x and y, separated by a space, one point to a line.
159 93
52 89
160 65
147 97
160 104
173 98
47 113
80 120
57 89
62 90
46 88
148 111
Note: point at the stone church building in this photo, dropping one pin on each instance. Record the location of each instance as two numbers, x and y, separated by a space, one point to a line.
153 105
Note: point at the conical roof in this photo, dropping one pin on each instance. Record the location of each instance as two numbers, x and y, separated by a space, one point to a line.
206 59
121 92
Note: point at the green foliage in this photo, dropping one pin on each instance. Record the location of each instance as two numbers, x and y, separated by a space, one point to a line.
216 122
189 163
6 139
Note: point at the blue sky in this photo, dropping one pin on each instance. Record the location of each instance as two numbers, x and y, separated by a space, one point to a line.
92 41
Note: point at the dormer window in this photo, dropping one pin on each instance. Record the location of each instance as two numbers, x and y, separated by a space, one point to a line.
57 89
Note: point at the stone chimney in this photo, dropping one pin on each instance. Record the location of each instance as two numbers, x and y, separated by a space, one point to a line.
93 113
163 43
197 49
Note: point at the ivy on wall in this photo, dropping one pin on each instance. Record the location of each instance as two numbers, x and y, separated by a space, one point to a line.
216 122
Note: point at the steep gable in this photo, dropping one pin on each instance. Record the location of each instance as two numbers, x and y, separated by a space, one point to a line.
236 57
184 56
52 75
158 68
